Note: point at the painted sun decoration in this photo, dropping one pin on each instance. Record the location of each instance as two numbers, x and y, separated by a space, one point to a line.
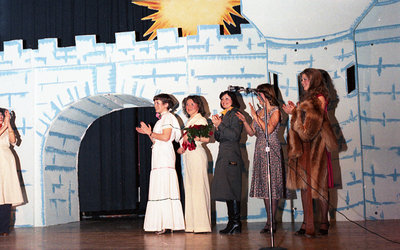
188 14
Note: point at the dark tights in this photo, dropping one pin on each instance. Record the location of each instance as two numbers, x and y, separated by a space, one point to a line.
323 206
274 207
5 214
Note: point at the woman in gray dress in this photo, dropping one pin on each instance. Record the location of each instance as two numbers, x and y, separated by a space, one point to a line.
227 182
259 181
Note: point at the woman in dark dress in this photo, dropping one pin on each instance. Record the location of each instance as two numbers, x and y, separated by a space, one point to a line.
227 182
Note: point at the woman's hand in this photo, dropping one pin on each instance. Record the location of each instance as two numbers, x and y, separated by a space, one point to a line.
289 107
216 120
144 129
181 150
241 117
7 118
249 129
253 111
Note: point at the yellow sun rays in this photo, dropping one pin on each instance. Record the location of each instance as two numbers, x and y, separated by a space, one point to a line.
188 14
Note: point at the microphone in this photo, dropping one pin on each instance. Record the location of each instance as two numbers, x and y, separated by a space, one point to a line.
242 89
235 88
250 90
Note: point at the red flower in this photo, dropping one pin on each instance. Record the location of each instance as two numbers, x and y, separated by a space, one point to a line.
196 131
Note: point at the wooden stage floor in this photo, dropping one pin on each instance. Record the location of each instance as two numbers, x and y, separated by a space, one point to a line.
127 233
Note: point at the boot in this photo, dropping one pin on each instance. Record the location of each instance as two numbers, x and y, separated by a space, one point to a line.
230 218
237 224
234 224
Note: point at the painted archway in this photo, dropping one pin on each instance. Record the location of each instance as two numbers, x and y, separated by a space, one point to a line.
61 148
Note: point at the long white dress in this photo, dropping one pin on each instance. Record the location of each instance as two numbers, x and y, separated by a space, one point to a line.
164 208
197 188
10 189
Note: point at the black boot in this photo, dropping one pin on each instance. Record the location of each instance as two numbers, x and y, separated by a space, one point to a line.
237 224
234 224
230 218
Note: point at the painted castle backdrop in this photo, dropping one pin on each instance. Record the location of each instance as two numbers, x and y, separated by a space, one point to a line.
57 93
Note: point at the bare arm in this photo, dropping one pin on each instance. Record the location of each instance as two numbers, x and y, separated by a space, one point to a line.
273 121
249 128
321 98
164 136
7 125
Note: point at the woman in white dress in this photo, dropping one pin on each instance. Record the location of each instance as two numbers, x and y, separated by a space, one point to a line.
197 189
10 189
164 209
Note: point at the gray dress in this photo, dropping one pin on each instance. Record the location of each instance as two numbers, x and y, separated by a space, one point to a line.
259 181
227 181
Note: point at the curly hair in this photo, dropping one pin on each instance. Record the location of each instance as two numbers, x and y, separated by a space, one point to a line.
196 99
317 84
165 98
232 95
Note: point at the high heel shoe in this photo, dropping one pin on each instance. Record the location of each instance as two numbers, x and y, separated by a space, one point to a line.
324 231
267 229
301 231
164 231
232 228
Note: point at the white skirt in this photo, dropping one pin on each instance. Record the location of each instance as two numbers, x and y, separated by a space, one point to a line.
164 207
10 189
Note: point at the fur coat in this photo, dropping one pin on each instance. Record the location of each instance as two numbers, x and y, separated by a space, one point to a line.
309 136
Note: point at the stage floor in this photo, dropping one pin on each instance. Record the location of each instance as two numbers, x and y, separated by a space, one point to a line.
127 233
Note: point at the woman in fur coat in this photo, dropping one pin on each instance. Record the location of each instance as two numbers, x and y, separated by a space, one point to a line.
309 137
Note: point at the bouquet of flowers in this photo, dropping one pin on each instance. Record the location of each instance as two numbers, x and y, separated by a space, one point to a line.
196 131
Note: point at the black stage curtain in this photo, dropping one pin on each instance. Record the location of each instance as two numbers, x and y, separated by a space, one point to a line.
148 116
31 20
114 161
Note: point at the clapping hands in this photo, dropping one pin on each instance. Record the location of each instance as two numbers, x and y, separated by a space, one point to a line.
144 128
289 107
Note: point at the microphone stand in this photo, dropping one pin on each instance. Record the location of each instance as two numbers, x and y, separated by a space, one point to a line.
268 152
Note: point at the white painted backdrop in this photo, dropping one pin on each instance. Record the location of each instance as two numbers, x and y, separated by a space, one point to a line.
58 92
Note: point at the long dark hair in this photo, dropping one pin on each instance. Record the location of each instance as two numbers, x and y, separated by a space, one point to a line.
269 93
196 99
232 95
317 84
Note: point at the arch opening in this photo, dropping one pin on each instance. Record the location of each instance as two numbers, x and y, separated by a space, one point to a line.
61 149
114 165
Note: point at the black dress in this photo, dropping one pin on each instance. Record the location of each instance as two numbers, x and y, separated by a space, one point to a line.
227 182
